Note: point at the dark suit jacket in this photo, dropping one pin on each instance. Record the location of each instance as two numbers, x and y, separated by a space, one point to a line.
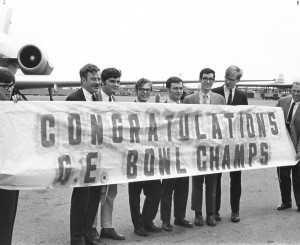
78 95
285 103
239 98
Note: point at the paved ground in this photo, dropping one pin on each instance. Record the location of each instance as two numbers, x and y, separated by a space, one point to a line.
43 215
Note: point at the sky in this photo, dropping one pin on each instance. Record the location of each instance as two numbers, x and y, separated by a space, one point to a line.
157 39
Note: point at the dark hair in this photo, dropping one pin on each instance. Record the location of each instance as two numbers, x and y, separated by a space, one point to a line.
6 76
141 82
206 71
86 69
173 80
110 73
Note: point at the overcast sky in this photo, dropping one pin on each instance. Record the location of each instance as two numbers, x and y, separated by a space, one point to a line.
157 39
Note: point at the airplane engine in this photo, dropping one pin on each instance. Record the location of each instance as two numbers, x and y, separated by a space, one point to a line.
32 61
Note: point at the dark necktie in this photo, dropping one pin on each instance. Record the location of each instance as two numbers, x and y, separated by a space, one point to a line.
110 99
289 118
94 97
229 100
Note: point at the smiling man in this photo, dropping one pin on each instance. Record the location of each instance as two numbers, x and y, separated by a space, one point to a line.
85 200
8 198
143 222
176 187
110 78
205 96
291 108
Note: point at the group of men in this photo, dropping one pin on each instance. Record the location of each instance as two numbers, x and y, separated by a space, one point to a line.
85 201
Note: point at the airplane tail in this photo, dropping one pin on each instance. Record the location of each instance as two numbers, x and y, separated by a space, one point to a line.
280 79
5 19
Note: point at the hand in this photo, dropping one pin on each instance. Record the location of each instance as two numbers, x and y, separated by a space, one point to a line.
15 98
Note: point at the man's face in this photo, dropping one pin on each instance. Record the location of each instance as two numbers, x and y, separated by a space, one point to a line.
111 86
175 91
6 90
296 92
230 81
207 81
144 92
92 82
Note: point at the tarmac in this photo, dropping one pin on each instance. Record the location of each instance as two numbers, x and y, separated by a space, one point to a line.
43 215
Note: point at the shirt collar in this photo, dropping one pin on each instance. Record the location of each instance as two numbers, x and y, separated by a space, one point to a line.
172 101
105 97
202 94
226 90
88 96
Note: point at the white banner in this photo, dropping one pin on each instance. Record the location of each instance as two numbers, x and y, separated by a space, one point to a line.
68 144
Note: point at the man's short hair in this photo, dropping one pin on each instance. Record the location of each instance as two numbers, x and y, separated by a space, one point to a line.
110 73
238 72
206 71
173 80
86 69
6 76
140 83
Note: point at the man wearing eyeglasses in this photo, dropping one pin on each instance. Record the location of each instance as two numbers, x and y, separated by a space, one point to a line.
143 222
8 198
233 96
291 108
205 96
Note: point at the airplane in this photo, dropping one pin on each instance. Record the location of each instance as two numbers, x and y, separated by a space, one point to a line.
36 66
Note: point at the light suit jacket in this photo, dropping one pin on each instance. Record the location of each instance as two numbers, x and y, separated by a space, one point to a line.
285 103
215 99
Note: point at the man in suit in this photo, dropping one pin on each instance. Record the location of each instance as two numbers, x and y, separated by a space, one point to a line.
110 79
205 96
233 96
85 200
291 109
8 198
178 186
143 222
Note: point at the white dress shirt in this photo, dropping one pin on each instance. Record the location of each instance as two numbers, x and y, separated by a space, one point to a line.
88 96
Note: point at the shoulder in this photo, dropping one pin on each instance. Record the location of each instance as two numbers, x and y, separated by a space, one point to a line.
217 90
284 100
240 92
190 98
216 95
75 95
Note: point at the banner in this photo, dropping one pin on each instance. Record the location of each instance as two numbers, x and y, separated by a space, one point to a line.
71 144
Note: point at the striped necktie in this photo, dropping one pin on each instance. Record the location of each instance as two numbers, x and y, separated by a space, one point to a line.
205 99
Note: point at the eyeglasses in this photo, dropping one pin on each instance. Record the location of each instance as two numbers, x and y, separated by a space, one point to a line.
230 80
7 86
205 79
143 90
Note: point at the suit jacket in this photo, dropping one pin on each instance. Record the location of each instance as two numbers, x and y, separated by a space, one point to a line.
78 95
195 99
239 98
285 103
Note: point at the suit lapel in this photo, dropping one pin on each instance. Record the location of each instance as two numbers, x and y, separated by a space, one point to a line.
81 95
297 114
287 107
